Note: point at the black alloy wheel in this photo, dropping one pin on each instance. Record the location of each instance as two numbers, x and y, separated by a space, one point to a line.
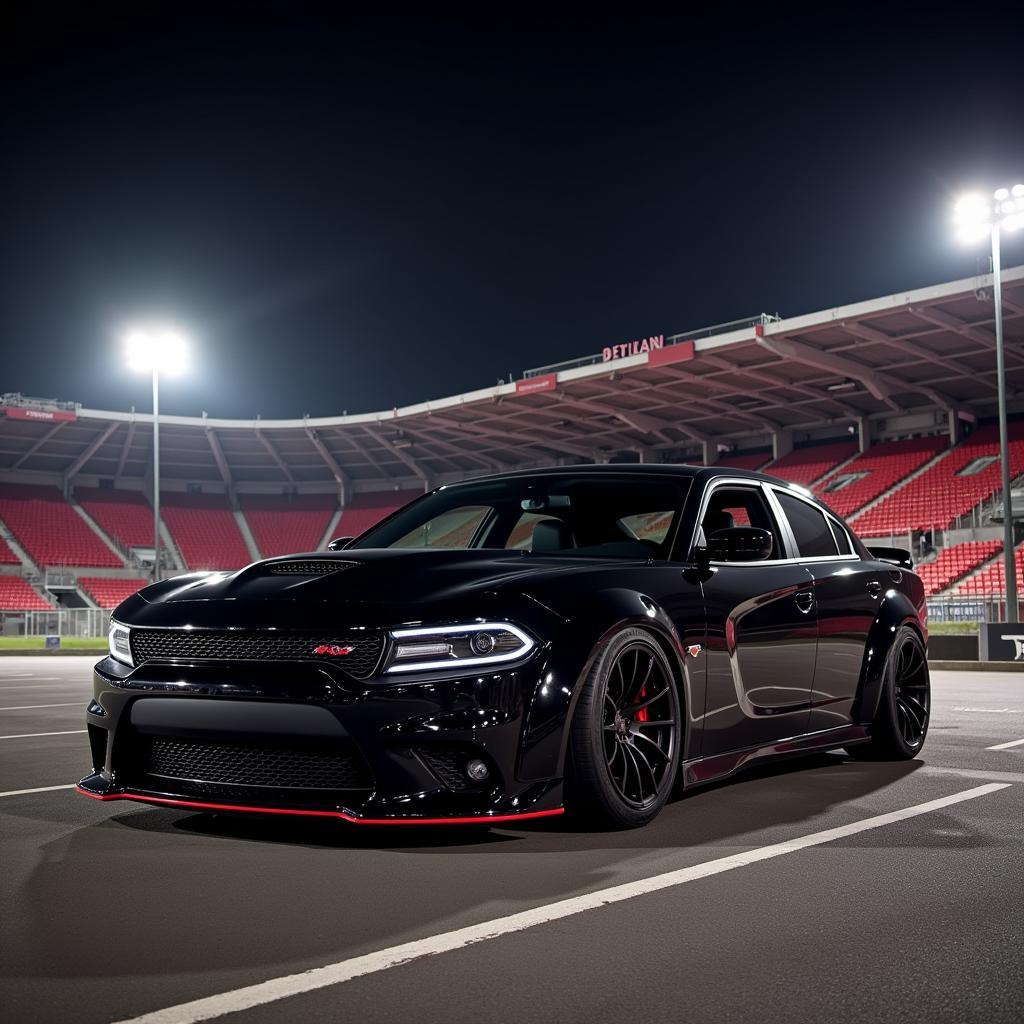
626 734
904 707
912 693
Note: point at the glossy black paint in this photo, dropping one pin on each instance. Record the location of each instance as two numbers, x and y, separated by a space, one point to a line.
770 657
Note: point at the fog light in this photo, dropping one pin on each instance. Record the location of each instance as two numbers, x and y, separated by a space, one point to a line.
482 643
477 770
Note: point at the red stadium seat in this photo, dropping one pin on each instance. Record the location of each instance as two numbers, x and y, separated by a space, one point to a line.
108 592
882 466
805 465
285 524
50 530
7 556
204 529
126 516
956 562
991 581
17 596
938 496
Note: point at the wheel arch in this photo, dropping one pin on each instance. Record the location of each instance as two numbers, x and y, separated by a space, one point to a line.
606 613
895 610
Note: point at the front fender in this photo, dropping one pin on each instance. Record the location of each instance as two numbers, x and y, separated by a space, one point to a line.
584 629
896 609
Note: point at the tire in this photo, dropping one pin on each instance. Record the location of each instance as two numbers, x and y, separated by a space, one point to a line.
622 766
904 708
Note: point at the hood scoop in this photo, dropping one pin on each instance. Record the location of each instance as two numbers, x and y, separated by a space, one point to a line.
308 567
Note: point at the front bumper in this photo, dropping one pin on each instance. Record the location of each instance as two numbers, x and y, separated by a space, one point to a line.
305 740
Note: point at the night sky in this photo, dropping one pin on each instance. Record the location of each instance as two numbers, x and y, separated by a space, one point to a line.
352 212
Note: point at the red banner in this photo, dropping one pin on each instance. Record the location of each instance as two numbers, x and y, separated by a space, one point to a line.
21 412
679 353
545 382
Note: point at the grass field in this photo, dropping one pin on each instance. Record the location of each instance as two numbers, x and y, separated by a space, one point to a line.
67 643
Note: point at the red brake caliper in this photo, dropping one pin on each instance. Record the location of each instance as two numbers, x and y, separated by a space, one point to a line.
641 715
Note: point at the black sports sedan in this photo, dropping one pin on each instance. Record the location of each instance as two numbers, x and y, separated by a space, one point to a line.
574 639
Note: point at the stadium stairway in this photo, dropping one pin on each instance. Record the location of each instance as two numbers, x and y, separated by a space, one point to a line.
941 494
875 471
116 548
806 466
898 484
250 540
989 580
956 563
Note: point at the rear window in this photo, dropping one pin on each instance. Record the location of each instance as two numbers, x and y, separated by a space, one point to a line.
810 527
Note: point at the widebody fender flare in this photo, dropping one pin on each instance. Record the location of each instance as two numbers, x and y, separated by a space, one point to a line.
896 609
586 626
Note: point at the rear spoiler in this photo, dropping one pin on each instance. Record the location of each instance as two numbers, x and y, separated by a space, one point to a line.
896 556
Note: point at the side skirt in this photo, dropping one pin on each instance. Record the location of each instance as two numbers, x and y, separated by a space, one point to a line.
703 770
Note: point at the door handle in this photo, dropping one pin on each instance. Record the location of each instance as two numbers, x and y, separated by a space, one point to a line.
874 588
804 600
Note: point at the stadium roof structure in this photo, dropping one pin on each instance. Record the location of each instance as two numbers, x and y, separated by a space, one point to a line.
932 348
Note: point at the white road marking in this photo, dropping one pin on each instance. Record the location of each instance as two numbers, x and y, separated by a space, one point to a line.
35 707
991 711
38 789
33 735
345 970
1006 746
971 773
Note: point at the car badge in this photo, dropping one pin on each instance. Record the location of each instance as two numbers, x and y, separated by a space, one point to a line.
693 650
333 650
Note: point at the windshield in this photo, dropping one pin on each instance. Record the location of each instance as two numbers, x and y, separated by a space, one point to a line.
614 516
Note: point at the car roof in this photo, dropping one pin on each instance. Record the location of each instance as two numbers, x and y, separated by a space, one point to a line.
673 472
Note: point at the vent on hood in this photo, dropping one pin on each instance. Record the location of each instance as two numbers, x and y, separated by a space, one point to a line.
308 567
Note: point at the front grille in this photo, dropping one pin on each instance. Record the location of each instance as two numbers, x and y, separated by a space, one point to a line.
308 567
263 645
213 768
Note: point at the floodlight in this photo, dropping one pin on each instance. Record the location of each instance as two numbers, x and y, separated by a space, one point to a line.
161 349
975 218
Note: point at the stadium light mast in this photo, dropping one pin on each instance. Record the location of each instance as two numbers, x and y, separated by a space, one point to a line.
156 350
976 218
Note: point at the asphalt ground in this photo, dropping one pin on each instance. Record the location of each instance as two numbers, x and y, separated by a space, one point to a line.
817 889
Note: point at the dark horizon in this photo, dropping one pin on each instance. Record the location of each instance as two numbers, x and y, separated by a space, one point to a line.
354 212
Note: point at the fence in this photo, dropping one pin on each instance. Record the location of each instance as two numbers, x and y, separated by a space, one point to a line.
60 622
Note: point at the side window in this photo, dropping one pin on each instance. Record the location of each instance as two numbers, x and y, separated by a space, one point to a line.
741 506
452 529
810 527
842 537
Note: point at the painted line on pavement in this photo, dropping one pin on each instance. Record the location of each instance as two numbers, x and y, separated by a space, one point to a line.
33 735
38 789
35 707
1006 746
345 970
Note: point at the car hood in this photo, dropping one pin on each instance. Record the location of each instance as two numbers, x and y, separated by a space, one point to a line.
382 585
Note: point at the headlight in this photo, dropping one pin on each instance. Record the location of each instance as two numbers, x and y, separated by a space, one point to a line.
117 643
456 647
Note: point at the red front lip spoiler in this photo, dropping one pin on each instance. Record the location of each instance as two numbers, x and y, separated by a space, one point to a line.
198 805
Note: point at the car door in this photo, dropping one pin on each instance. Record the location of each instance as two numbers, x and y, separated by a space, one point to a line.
847 594
761 630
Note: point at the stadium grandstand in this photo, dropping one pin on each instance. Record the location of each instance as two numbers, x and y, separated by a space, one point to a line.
883 408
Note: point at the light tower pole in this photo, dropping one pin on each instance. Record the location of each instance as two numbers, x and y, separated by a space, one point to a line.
976 218
154 350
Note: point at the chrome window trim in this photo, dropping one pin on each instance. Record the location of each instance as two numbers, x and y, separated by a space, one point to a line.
767 489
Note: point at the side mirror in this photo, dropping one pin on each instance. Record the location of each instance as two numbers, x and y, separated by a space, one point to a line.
340 543
740 544
895 556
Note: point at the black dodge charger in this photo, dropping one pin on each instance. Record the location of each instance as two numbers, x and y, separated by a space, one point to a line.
575 639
